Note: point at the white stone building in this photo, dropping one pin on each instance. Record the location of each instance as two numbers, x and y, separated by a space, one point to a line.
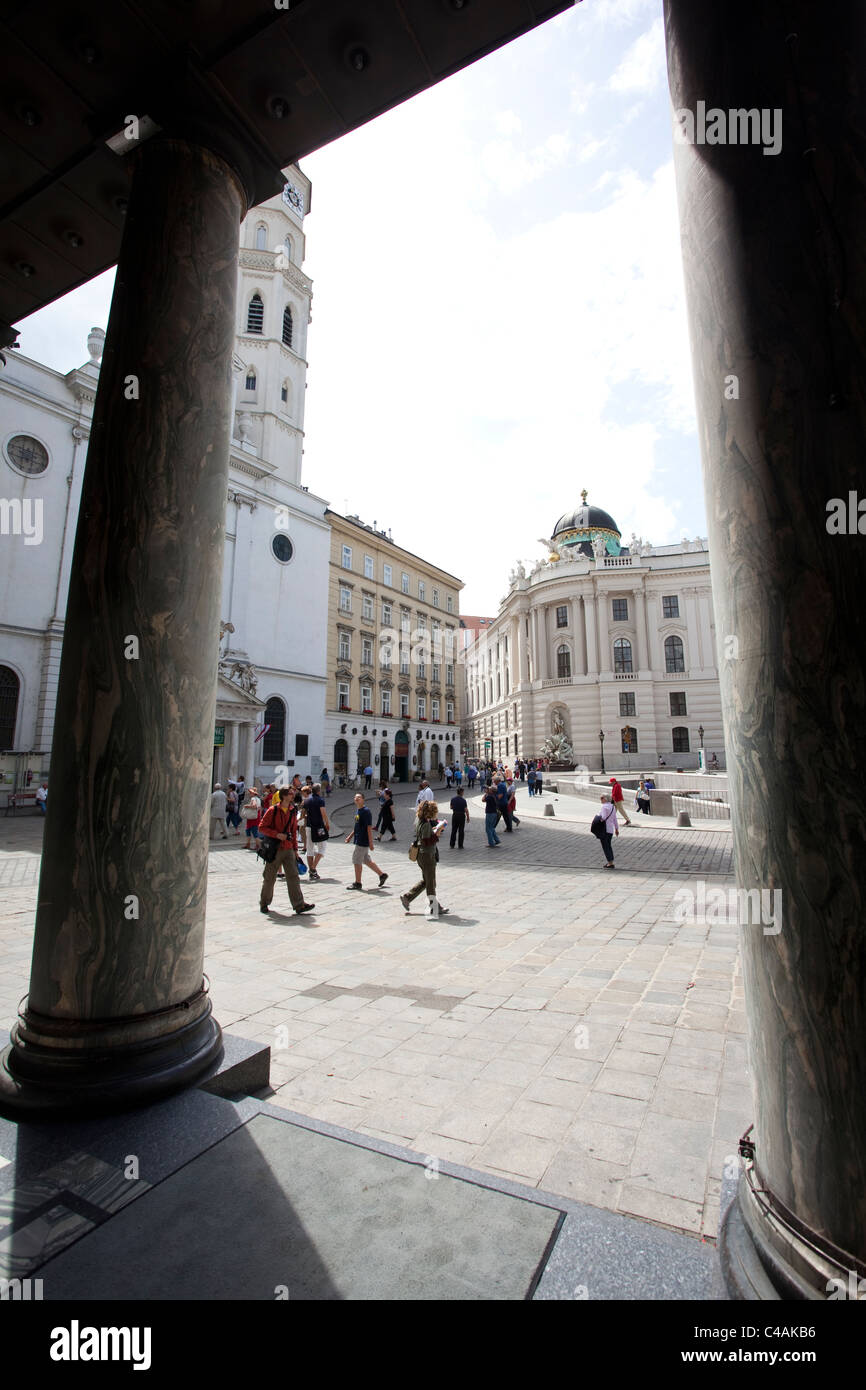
272 667
601 639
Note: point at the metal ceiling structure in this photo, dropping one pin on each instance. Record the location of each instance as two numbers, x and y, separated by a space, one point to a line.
271 81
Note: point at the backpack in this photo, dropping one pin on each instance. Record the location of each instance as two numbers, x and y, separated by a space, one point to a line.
597 827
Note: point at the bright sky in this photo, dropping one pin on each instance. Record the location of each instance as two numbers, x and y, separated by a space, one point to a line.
498 312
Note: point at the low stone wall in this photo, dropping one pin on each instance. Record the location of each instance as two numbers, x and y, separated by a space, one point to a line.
701 808
709 784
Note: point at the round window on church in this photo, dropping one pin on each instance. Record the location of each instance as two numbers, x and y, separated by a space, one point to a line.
282 548
26 454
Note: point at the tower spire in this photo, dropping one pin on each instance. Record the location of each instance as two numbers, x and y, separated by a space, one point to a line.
583 495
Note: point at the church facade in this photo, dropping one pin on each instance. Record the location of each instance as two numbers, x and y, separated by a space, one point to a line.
272 656
611 647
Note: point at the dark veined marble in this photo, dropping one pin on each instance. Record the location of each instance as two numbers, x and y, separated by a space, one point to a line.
774 248
131 760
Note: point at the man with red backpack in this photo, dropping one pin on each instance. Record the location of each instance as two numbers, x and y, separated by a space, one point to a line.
279 827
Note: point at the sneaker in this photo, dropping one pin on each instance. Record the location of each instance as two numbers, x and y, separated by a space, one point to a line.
382 878
313 876
443 911
354 887
265 910
305 907
405 901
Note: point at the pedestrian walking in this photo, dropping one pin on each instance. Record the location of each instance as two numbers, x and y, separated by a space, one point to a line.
643 797
241 789
449 776
279 826
502 799
605 826
459 818
386 815
425 793
362 835
472 776
512 806
218 812
325 781
428 828
318 829
42 798
616 797
530 781
251 815
368 775
539 780
232 817
491 816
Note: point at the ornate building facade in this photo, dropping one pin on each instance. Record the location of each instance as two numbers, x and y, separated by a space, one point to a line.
612 647
272 658
393 653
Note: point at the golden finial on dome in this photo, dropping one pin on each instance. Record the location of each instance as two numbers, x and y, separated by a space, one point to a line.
583 495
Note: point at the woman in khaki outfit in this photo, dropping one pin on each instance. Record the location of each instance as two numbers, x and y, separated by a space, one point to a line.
426 838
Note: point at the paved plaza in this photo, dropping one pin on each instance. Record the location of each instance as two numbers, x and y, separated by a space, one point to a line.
557 1027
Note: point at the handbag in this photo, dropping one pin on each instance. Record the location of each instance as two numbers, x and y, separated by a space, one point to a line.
266 848
302 868
413 852
597 827
318 835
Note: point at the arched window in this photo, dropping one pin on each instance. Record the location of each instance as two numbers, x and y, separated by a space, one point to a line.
680 736
284 393
287 325
364 754
674 659
261 237
255 314
10 687
341 757
251 379
288 247
622 656
274 742
563 663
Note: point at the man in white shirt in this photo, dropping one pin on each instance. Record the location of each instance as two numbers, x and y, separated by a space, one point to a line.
425 794
41 797
218 811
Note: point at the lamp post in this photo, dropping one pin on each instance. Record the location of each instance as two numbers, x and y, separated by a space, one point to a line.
701 734
601 741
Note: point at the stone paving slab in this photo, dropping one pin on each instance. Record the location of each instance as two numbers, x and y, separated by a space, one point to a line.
553 1029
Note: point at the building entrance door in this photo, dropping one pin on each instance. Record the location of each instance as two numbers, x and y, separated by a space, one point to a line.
401 758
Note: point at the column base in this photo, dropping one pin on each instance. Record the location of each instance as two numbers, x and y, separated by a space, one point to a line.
763 1261
74 1066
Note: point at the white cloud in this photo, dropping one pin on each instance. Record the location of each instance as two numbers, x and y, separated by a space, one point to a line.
510 168
643 67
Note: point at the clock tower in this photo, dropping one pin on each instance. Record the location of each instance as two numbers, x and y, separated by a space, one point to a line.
274 297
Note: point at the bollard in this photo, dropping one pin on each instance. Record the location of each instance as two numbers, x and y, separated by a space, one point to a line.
683 818
548 809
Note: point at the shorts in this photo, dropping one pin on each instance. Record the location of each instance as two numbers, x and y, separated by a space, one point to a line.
252 830
361 855
317 847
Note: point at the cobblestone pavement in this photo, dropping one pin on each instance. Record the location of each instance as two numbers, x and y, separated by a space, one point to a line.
557 1026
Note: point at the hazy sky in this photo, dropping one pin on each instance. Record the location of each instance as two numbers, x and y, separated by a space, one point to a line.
498 312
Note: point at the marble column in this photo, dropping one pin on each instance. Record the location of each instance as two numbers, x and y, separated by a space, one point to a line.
640 626
591 637
579 630
533 629
544 634
775 275
523 675
233 741
604 648
693 645
117 1010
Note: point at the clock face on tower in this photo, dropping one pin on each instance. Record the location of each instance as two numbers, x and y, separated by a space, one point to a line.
293 197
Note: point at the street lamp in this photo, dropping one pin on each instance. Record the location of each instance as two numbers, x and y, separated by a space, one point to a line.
701 734
601 741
